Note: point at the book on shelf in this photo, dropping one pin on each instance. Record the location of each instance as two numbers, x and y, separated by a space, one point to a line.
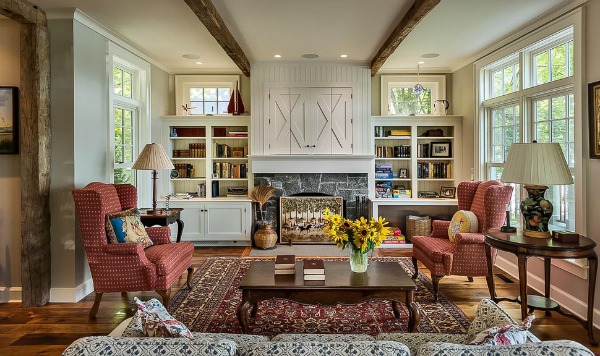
285 271
399 133
237 192
314 277
389 175
314 267
285 262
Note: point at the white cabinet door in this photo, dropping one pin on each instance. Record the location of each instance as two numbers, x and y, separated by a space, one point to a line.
341 120
193 229
302 130
226 222
320 99
279 120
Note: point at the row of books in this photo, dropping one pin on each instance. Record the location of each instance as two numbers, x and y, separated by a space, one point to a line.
222 150
237 134
402 151
395 237
229 170
381 131
383 189
184 170
434 170
195 150
312 269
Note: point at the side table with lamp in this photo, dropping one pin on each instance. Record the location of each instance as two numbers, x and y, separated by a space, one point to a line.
537 165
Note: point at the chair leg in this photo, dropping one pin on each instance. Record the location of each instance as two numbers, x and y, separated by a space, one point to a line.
96 305
436 286
190 274
416 266
470 279
165 295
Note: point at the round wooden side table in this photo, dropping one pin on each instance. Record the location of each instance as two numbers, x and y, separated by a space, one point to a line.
547 248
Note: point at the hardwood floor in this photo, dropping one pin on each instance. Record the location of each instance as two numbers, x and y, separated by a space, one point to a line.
48 330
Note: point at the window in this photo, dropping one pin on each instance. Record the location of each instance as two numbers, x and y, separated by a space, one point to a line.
529 95
205 94
397 97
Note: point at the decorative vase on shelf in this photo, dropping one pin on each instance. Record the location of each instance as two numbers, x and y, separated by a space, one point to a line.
359 261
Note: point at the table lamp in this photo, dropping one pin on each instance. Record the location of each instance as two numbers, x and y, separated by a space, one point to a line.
536 165
153 157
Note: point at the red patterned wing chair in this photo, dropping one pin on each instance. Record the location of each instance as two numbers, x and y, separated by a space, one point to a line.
127 267
466 255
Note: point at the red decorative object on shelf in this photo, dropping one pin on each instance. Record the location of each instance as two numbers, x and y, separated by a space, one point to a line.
235 106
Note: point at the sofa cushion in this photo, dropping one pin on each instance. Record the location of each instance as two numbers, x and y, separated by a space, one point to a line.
557 348
324 337
148 346
414 340
292 348
167 256
504 334
462 221
489 314
156 320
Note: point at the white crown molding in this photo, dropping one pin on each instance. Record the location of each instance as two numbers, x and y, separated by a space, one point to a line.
312 63
223 71
82 18
71 295
531 26
432 70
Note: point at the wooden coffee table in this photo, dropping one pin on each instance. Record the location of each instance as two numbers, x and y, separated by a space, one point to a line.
383 280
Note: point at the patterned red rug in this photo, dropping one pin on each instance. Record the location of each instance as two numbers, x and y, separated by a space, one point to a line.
211 305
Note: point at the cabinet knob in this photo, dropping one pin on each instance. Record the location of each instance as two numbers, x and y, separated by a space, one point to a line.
307 145
314 145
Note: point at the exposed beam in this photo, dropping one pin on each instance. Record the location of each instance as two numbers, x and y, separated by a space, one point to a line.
208 14
410 20
23 12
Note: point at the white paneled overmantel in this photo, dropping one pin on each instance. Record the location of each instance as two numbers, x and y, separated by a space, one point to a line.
355 79
311 164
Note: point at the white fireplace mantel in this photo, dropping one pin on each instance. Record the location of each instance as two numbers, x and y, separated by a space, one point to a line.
311 164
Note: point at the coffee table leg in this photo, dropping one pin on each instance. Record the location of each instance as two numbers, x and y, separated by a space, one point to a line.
413 312
242 312
254 309
395 309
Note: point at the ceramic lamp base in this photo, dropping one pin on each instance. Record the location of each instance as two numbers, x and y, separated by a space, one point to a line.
537 212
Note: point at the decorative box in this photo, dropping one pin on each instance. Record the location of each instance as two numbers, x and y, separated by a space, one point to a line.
565 236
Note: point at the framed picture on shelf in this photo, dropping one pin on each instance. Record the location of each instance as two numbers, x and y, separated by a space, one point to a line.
594 112
403 173
441 149
9 120
448 192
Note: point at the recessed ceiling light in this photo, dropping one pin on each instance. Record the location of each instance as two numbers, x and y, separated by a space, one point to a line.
191 56
420 62
343 55
199 62
430 55
277 56
310 56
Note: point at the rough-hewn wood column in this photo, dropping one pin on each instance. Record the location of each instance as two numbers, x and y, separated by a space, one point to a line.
34 136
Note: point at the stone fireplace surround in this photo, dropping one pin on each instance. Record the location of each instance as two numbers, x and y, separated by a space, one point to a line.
346 185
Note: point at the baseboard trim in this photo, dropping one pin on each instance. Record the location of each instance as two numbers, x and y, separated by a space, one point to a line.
71 295
564 299
11 294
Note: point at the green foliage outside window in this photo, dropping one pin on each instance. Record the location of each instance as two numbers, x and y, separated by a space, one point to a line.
404 102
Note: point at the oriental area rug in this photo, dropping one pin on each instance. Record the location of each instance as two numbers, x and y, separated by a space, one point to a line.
211 306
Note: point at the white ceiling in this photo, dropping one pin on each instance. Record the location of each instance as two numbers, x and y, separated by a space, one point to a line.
165 30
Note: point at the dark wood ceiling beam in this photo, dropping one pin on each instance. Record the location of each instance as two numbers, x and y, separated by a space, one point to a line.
208 14
23 12
410 20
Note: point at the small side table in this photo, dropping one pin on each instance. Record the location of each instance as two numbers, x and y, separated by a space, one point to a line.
524 247
163 218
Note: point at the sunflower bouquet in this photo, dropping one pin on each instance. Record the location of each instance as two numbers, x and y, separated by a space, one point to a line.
360 235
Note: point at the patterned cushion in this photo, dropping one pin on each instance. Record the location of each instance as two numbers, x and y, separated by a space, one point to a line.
546 348
126 226
488 314
291 348
414 340
324 337
156 320
504 334
144 346
462 221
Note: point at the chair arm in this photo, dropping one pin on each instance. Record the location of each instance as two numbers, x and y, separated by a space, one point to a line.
124 249
439 228
159 235
469 238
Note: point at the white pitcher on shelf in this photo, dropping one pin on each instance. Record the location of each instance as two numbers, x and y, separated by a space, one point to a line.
440 107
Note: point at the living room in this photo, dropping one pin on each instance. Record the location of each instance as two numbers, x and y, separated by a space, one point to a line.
80 148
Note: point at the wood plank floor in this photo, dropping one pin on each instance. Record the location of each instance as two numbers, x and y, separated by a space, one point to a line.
48 330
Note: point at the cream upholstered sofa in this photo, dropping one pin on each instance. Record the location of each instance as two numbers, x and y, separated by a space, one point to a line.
130 342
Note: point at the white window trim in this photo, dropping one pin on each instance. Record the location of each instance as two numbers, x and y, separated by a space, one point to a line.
183 83
436 82
532 35
141 72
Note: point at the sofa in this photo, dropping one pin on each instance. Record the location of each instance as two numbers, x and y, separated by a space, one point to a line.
128 340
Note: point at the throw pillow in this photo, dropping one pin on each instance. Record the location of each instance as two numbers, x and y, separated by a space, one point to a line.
126 226
156 320
508 334
488 315
462 221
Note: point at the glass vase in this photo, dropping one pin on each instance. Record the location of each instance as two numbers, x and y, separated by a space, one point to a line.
359 261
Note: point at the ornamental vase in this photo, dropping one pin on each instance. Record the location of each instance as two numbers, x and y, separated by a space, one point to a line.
359 261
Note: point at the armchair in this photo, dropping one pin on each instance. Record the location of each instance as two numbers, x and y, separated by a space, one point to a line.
466 255
127 267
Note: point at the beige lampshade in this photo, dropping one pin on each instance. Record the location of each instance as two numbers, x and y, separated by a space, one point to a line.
153 156
536 164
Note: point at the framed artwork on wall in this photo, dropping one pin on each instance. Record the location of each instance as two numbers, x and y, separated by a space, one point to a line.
594 108
9 120
301 218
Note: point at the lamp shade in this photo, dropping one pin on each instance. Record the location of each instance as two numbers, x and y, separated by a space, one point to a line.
153 157
536 164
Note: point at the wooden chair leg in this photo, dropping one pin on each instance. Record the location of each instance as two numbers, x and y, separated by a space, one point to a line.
190 274
436 286
165 295
96 305
470 279
416 266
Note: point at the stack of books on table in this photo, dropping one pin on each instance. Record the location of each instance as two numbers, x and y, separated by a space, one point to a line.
395 239
285 264
314 270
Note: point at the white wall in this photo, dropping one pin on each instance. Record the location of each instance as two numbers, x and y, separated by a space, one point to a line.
463 103
10 175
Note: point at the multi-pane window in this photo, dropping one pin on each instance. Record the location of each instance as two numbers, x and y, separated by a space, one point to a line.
124 123
403 101
399 98
505 80
505 130
553 63
209 100
122 82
